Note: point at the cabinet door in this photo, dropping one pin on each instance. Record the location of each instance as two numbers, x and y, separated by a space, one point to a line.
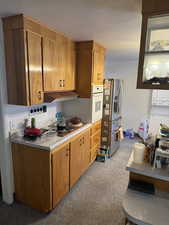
34 53
60 172
32 176
70 67
96 127
62 59
94 153
84 61
75 160
79 156
98 68
85 150
52 78
96 138
101 67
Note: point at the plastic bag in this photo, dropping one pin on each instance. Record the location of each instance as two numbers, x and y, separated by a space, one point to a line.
143 129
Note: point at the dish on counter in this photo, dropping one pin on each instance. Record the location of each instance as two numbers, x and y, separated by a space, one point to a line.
75 122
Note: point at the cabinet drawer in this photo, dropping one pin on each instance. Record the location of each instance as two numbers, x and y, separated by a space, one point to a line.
95 139
96 127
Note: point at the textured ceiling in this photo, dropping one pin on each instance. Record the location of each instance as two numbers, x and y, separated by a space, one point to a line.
114 23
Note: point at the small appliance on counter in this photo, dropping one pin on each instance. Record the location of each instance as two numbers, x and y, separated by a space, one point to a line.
32 132
65 127
61 127
75 122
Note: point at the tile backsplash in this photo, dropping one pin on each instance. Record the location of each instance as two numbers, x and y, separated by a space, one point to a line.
17 114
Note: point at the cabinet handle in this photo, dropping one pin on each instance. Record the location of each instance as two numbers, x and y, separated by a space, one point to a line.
63 83
67 154
39 95
60 83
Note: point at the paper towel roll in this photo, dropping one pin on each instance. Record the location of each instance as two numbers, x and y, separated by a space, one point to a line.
139 150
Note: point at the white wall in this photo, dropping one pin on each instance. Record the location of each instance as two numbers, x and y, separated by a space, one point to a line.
136 103
15 115
158 114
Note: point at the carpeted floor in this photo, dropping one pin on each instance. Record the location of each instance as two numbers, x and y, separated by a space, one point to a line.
95 200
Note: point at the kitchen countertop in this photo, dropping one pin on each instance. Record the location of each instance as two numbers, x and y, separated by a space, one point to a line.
48 142
147 170
146 209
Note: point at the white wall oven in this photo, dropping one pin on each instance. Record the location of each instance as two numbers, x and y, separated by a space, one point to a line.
97 103
88 109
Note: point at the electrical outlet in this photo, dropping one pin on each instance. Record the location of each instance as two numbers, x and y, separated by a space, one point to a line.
38 110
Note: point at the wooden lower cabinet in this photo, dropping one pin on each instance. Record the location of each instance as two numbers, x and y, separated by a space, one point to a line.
75 160
160 185
43 177
60 173
86 151
79 156
96 127
95 139
32 176
94 152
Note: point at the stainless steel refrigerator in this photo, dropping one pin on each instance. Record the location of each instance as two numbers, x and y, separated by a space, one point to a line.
111 122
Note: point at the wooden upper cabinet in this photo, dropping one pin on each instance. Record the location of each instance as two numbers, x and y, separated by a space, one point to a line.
70 69
38 60
58 64
60 173
62 47
155 6
153 71
34 54
98 67
23 60
50 65
90 59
